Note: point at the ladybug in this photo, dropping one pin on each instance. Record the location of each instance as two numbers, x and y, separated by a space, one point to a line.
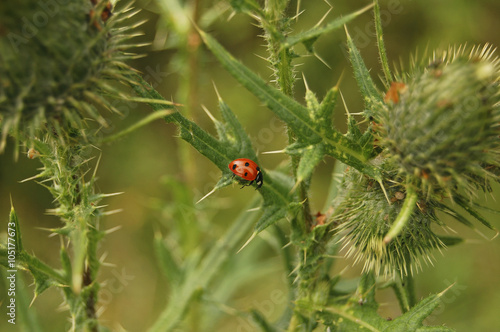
247 169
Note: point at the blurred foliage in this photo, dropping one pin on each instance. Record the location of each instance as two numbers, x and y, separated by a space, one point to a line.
135 289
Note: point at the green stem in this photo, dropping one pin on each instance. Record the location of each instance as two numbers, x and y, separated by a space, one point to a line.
410 289
409 286
401 295
294 323
281 59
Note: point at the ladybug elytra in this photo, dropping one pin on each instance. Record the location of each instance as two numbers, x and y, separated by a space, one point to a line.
248 170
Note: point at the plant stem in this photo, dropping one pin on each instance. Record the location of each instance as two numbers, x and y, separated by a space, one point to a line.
409 286
76 205
281 60
90 302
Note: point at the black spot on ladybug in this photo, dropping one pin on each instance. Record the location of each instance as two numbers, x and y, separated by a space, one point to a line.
234 166
258 169
247 164
246 173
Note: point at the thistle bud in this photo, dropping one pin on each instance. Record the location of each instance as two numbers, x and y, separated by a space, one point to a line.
364 216
57 63
443 131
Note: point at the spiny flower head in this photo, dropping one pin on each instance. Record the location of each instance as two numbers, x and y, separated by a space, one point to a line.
364 216
442 131
57 65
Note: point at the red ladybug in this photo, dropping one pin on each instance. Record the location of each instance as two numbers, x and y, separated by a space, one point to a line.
248 170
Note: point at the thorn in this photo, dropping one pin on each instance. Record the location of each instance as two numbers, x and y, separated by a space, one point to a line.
274 152
322 60
296 17
297 12
385 192
31 178
248 241
231 16
324 16
32 301
97 165
209 114
263 58
216 91
305 82
112 230
347 32
448 288
340 79
108 213
294 270
210 193
345 105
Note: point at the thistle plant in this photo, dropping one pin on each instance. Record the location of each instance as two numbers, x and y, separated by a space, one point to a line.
443 131
58 74
424 145
55 81
439 142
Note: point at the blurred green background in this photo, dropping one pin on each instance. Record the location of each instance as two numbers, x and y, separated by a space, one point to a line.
148 164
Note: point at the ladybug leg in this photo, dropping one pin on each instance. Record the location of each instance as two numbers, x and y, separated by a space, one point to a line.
246 185
232 178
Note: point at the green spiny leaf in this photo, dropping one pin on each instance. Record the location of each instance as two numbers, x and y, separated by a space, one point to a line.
450 240
66 262
42 281
310 36
28 316
311 101
217 152
454 214
15 227
271 215
310 159
36 266
220 153
294 114
360 312
325 111
353 131
413 319
290 111
462 201
373 99
380 42
243 141
333 190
